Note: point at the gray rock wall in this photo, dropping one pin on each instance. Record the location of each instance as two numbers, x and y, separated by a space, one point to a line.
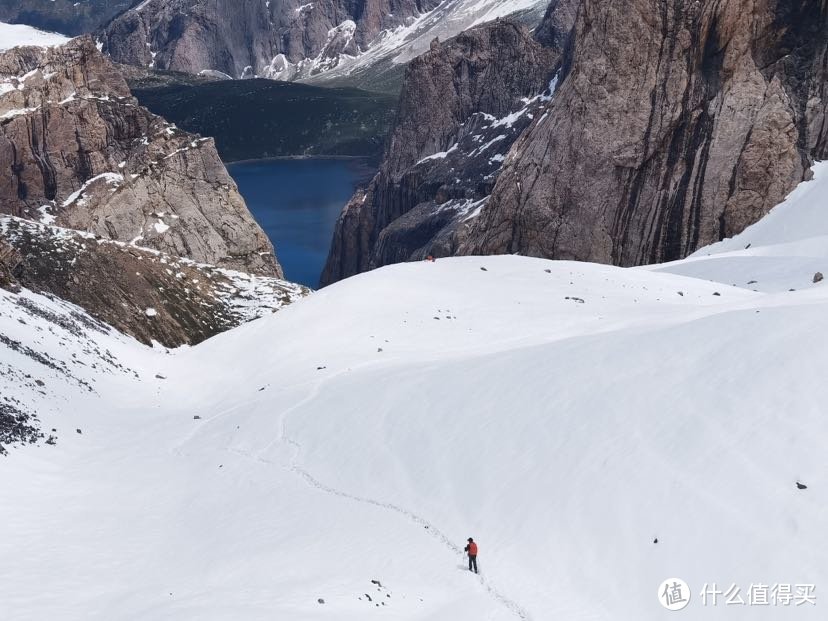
232 35
680 123
462 105
82 154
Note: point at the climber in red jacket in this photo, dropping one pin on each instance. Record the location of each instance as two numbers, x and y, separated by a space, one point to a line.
471 550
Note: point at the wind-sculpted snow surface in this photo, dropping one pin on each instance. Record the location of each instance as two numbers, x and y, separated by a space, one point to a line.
568 416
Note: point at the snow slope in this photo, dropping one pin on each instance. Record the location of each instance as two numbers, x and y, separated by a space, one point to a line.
783 250
565 415
12 35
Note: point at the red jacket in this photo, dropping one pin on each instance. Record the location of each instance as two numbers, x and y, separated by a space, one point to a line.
472 548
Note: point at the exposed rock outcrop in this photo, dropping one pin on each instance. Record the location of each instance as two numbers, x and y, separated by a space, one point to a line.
82 154
675 123
9 259
115 210
141 292
679 123
249 37
555 30
463 104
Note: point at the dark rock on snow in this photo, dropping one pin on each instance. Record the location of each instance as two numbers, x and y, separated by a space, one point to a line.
17 427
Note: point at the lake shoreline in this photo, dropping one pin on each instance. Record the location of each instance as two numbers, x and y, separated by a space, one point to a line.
297 202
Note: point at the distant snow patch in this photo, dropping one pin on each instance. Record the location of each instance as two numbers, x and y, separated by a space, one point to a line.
13 35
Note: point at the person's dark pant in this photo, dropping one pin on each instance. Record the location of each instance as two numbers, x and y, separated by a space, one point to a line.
473 563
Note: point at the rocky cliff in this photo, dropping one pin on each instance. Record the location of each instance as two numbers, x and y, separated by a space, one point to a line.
674 124
141 292
462 106
84 155
679 123
112 208
251 37
365 43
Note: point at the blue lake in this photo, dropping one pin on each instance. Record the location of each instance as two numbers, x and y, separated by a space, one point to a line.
297 203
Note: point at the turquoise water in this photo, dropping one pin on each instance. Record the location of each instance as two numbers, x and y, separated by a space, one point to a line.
297 203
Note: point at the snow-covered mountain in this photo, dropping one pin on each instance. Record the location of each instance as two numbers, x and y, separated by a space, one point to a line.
596 429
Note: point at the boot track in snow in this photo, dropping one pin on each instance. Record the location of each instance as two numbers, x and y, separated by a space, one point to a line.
511 605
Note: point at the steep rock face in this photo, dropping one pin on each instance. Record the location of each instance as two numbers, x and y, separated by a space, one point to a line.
463 104
555 30
251 37
82 154
679 123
